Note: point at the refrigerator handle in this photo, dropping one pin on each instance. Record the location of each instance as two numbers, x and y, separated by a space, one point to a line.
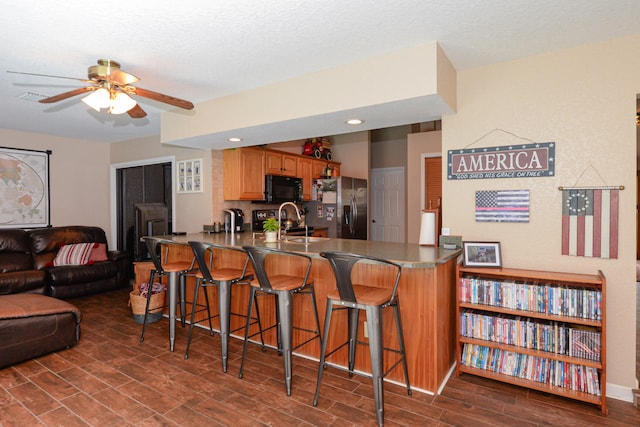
354 215
346 211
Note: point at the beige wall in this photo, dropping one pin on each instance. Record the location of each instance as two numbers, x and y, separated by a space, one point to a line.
584 100
389 147
78 175
294 147
418 146
192 209
353 151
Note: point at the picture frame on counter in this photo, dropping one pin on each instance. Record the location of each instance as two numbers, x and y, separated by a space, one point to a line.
189 176
482 254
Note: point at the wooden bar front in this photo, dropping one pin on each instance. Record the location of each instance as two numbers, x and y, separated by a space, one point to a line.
427 304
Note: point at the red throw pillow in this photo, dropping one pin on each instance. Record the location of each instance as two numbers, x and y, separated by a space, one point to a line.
99 253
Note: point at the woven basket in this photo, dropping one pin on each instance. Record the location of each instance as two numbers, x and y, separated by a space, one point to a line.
138 304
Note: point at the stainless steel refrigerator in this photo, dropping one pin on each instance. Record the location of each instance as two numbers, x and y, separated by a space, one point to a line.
340 204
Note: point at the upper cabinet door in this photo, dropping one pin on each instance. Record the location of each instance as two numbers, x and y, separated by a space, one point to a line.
278 163
305 171
272 163
319 168
244 174
289 165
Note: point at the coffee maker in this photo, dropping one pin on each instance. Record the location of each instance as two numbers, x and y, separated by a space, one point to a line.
233 220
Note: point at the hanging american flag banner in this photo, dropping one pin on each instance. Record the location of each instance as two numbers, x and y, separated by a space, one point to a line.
502 206
590 222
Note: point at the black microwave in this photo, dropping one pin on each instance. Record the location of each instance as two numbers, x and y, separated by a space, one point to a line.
279 189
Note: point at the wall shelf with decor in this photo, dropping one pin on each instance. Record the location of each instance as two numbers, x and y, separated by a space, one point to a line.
541 330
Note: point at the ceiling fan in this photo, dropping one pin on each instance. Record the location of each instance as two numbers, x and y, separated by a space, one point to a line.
111 89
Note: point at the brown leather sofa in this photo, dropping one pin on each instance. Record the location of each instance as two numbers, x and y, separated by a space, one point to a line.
33 318
17 272
26 263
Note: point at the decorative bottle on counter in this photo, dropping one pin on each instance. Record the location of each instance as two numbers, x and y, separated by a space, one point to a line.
327 171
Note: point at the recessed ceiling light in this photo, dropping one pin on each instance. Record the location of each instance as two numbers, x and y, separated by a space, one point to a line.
354 122
235 139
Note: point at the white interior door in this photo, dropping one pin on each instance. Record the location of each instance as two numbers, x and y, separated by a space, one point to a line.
388 205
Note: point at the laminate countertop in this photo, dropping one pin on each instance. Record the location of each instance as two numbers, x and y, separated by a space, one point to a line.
408 255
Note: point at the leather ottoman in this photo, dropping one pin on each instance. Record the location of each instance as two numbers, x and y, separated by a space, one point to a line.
32 325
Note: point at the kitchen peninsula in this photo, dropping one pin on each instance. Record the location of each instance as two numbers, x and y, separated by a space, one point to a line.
426 294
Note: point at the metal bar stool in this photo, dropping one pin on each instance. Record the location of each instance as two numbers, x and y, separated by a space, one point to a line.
223 279
283 287
176 272
354 298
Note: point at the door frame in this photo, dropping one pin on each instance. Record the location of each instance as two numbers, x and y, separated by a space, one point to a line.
113 185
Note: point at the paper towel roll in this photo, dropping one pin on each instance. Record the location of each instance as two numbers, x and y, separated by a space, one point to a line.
428 228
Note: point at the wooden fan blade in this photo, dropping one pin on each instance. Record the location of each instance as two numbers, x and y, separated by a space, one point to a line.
177 102
137 112
49 75
69 94
122 78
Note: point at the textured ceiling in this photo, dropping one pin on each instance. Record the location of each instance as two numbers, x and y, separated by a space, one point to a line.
204 49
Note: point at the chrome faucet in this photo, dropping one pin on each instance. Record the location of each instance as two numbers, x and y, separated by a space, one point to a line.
280 216
232 221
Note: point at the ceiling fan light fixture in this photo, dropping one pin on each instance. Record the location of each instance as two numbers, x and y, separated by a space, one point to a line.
121 103
98 99
109 89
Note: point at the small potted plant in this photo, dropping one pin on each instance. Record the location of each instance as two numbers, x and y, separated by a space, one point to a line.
270 227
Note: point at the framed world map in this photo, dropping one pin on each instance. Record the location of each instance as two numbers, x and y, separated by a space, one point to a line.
24 188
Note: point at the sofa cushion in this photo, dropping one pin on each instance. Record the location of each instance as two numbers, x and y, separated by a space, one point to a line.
71 274
15 261
45 242
27 281
14 251
17 306
74 254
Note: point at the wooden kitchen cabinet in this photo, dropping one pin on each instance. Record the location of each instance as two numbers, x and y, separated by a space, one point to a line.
310 169
305 171
320 168
279 163
245 168
244 174
320 232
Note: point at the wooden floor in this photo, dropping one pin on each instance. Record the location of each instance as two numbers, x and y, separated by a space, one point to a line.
111 379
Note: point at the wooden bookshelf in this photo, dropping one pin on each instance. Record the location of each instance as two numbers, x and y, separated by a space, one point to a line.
515 325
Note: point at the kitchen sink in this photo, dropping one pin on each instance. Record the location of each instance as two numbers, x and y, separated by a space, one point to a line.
301 239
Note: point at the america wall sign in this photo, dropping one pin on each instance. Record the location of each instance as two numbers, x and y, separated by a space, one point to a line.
521 161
